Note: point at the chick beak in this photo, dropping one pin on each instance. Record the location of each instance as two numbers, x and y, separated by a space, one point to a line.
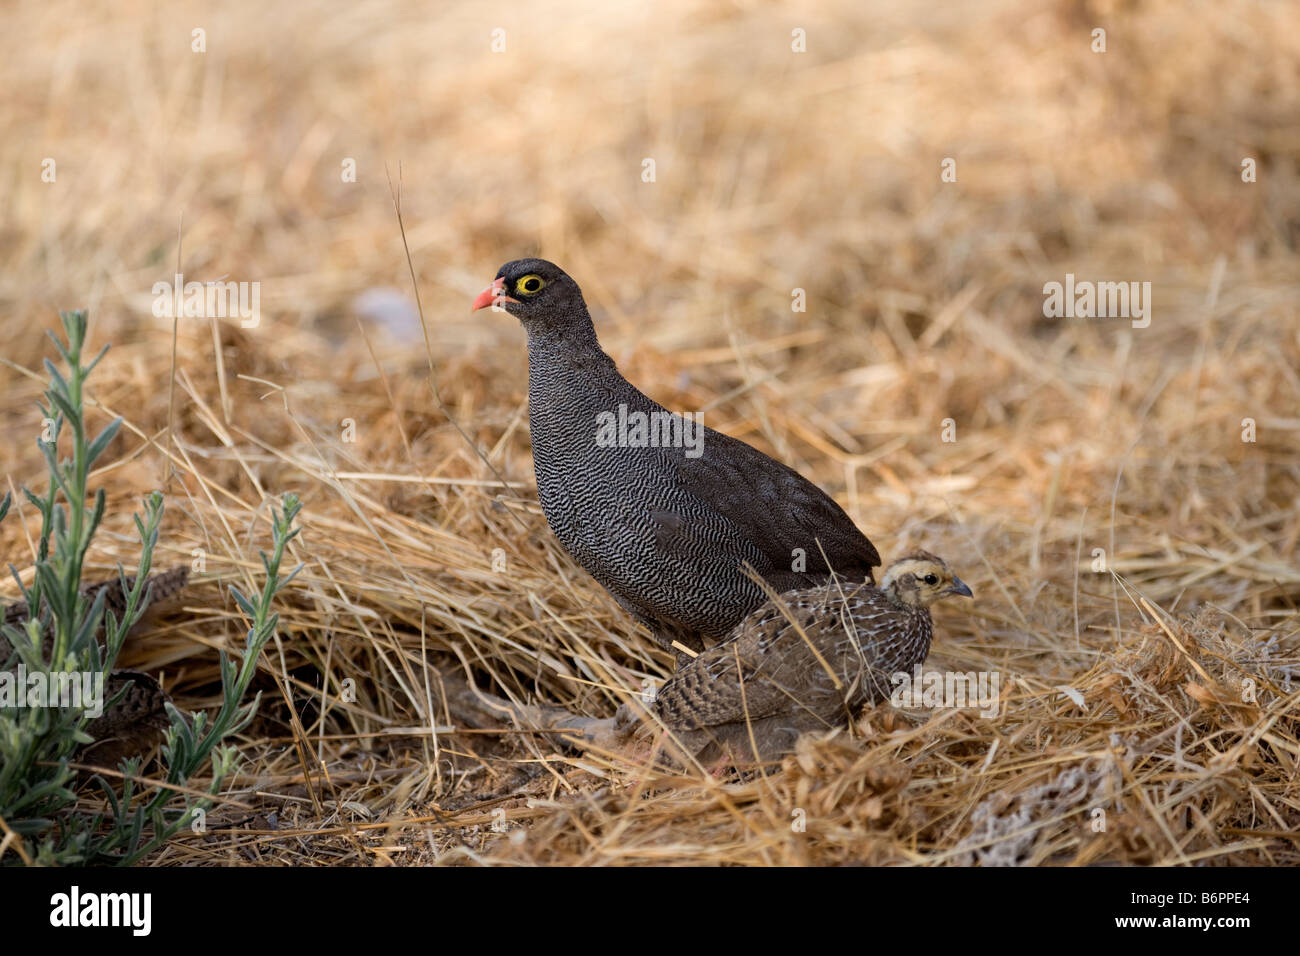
959 587
495 294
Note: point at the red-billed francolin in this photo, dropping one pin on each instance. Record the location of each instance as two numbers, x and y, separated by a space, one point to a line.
805 662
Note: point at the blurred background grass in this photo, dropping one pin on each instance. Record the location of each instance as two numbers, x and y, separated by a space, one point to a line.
774 170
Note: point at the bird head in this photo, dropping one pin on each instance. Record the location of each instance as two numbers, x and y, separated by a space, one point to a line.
536 292
920 579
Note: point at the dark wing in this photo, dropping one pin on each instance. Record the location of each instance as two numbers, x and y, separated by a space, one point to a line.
772 507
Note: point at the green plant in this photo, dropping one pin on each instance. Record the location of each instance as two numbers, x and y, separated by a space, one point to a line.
38 804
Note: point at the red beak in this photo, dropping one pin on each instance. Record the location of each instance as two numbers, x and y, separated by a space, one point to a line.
493 295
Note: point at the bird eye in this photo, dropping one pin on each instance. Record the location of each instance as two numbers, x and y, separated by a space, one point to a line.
931 579
529 285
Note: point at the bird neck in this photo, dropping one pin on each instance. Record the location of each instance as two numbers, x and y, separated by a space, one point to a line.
897 599
563 353
569 330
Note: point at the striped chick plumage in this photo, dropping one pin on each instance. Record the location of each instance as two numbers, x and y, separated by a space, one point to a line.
803 663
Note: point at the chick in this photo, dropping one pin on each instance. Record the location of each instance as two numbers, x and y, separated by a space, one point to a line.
803 663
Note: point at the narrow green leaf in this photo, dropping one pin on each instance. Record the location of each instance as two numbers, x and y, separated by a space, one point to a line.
101 440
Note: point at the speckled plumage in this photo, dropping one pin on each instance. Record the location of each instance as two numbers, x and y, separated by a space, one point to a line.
808 667
133 725
161 587
667 534
136 722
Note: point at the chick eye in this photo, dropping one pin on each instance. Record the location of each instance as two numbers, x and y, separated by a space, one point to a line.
529 285
931 579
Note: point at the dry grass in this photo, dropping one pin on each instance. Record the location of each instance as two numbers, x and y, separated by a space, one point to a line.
774 171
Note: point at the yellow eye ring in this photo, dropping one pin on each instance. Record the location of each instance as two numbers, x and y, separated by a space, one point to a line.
530 285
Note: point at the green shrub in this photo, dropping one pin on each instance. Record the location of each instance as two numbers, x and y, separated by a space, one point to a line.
40 815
